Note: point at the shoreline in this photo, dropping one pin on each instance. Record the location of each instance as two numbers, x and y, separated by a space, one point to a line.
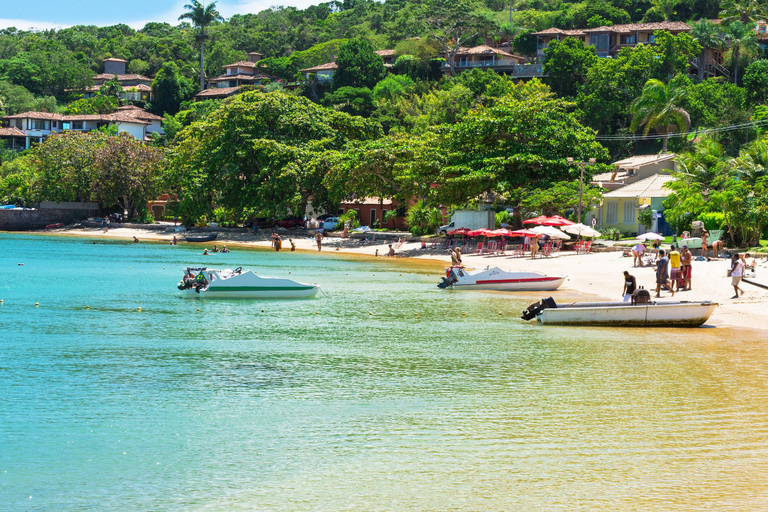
596 276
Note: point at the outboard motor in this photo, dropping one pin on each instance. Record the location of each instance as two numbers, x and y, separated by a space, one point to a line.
445 282
537 307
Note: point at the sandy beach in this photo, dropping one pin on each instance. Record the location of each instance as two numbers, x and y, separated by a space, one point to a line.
597 275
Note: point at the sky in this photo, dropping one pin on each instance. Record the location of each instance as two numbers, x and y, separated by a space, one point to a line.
44 14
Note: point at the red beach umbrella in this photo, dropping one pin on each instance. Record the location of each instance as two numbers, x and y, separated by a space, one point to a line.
557 221
500 232
524 232
459 231
478 232
541 219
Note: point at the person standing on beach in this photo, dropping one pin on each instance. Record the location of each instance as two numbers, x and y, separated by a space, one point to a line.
662 274
637 254
319 240
293 245
674 264
685 267
737 271
458 255
704 247
630 285
278 243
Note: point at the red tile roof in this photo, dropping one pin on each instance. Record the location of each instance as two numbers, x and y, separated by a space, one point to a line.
138 113
11 132
241 64
486 50
107 118
558 31
322 67
221 92
126 88
224 78
386 53
47 116
121 78
671 26
114 59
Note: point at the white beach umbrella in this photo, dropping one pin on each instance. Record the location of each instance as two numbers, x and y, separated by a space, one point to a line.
553 232
650 236
581 229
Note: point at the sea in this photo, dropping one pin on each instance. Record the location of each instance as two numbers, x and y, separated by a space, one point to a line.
383 393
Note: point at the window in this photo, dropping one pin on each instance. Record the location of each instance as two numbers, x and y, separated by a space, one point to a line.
629 213
54 124
651 38
373 217
77 125
629 39
463 61
612 213
38 124
599 41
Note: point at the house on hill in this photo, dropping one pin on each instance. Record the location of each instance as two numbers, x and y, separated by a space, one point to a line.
324 72
29 128
135 87
486 57
236 75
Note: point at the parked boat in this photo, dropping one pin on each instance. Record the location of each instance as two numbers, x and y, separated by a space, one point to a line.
201 238
494 278
621 314
202 282
209 237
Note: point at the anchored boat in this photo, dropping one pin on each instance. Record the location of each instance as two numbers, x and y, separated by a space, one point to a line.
494 278
621 314
210 237
202 282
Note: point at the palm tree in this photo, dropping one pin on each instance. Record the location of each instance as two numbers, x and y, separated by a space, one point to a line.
658 107
745 11
708 35
743 42
201 16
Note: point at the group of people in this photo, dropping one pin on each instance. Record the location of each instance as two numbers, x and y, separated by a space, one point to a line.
673 270
455 257
215 249
277 242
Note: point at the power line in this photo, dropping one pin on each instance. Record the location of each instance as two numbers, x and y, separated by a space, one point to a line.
720 129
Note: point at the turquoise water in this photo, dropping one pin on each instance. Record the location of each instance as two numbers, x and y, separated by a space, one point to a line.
317 405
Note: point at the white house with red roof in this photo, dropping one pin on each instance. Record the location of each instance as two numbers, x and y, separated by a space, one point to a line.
236 75
135 87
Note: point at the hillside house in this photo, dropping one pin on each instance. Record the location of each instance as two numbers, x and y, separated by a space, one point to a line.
29 128
135 87
371 210
487 57
236 75
608 41
324 72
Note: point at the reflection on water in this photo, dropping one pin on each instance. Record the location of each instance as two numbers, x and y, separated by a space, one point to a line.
229 407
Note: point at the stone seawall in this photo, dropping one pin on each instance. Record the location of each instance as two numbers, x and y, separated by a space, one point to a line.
27 220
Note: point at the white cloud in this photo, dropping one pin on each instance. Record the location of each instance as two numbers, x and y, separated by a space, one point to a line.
29 24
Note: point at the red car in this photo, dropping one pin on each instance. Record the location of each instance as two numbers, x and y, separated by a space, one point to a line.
290 222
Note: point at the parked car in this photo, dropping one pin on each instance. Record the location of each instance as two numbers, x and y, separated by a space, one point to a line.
290 222
445 229
330 223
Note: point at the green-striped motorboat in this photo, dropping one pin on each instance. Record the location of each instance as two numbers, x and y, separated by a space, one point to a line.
203 282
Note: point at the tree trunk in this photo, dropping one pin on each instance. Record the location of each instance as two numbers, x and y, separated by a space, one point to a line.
202 64
702 64
664 146
736 67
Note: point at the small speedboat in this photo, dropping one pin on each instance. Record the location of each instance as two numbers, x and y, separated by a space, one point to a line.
494 278
201 238
202 282
621 314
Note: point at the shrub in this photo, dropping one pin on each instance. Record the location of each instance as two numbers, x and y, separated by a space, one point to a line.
713 220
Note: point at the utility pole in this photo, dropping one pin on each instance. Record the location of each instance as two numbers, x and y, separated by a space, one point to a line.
581 181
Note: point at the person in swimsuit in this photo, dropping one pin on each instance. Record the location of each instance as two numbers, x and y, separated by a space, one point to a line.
704 247
293 245
637 254
319 240
662 274
630 285
737 271
685 267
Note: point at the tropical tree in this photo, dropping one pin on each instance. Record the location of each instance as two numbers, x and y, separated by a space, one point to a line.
170 88
756 81
666 8
742 41
659 107
566 65
709 36
201 17
745 11
358 65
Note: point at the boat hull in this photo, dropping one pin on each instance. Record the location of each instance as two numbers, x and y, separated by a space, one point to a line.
259 293
515 285
673 314
201 238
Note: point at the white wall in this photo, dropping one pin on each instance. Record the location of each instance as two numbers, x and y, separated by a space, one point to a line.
136 130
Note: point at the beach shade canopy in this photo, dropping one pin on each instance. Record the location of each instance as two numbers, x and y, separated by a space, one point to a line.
557 221
459 231
552 232
536 220
500 232
581 229
478 232
524 232
650 236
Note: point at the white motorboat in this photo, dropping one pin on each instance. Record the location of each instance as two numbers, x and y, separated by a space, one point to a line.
205 282
494 278
622 314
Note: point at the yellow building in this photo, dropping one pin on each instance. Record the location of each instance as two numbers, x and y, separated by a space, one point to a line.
620 207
